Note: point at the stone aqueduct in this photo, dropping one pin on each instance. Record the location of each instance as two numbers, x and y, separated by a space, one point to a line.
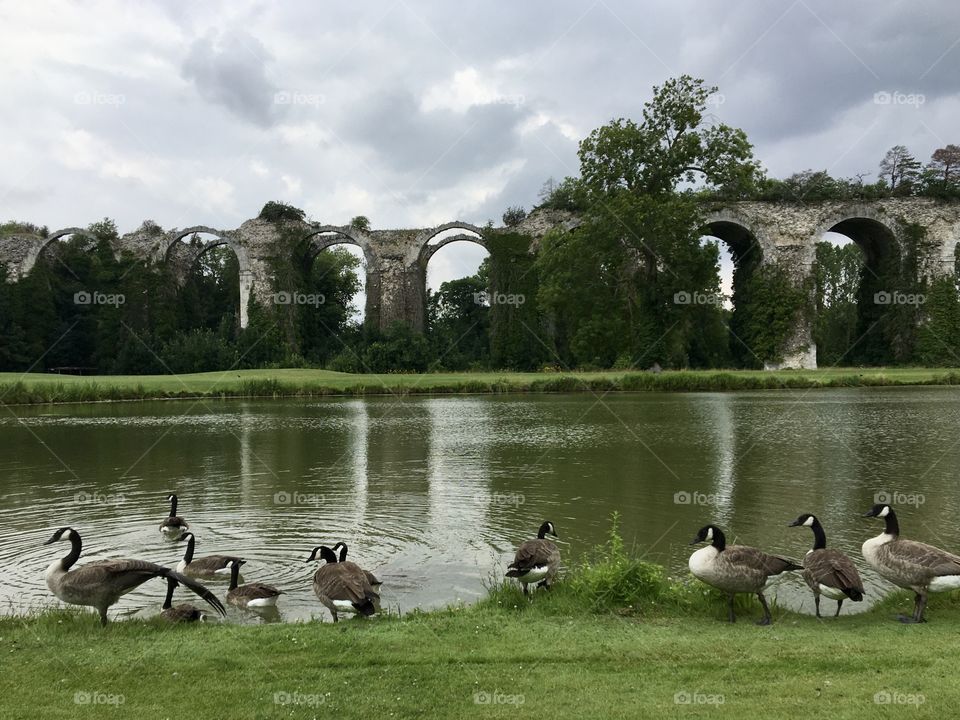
396 260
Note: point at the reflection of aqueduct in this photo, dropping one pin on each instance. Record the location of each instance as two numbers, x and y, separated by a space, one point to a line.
396 260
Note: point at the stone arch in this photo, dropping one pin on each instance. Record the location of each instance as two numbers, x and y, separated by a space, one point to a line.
873 338
39 244
220 238
425 250
866 225
324 236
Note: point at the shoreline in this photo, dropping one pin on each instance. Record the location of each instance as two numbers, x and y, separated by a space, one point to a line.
47 389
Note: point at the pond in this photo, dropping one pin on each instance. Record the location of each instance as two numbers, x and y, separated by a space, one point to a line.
433 494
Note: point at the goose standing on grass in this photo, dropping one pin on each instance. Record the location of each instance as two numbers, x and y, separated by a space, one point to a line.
251 595
909 564
828 571
537 561
207 566
173 526
735 568
182 613
342 586
371 578
100 584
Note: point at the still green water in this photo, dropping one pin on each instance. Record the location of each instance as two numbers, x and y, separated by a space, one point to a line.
432 494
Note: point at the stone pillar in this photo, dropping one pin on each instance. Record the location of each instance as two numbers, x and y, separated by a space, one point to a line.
799 351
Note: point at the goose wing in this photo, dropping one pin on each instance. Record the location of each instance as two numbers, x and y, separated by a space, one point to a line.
533 553
257 590
834 569
211 563
757 560
938 562
340 581
118 577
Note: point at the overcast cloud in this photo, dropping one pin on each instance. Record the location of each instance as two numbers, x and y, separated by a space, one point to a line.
415 113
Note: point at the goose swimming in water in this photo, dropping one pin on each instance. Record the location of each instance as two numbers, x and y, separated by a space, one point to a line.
173 525
206 566
251 595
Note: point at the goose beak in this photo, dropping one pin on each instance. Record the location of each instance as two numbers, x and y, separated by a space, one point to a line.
794 523
869 513
50 541
695 541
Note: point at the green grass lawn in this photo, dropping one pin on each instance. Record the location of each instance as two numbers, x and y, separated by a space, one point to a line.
550 657
42 388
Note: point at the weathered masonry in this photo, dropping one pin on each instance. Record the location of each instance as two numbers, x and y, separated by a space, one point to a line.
784 234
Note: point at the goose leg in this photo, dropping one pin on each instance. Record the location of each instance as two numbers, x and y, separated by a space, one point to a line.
839 605
765 620
921 606
918 605
335 618
730 615
816 602
103 615
525 591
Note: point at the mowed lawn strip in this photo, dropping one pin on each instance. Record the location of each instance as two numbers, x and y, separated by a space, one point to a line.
483 661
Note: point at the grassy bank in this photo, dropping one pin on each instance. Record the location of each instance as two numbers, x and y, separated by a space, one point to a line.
615 639
556 660
31 388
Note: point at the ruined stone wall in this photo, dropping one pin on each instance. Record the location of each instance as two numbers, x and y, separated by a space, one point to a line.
396 260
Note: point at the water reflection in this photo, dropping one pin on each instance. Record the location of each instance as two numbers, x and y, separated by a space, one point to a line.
433 493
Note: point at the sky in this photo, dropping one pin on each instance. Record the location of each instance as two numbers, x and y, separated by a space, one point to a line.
417 113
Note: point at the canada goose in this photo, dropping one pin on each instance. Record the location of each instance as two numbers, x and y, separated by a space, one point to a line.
909 564
828 571
184 612
342 586
371 578
536 561
202 566
173 526
100 584
735 568
250 595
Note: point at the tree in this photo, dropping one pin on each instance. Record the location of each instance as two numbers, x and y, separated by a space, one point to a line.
514 215
945 162
612 283
361 223
900 169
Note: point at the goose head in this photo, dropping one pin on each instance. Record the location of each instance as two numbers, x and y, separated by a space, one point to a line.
547 529
325 553
341 548
879 510
64 533
805 520
711 534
